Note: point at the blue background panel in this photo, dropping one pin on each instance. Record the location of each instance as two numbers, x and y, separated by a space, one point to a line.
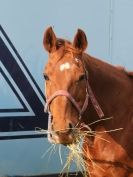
109 29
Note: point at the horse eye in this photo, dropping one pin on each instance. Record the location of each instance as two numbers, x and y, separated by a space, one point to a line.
82 77
46 77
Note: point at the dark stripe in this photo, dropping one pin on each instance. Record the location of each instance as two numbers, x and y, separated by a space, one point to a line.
22 137
13 110
24 109
70 174
20 123
20 79
16 52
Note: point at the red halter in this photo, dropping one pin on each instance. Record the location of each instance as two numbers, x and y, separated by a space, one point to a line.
89 94
73 101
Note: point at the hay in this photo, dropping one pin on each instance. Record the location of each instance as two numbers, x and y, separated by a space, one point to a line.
76 150
75 155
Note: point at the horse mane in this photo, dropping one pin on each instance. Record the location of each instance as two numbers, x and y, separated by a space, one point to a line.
67 46
62 43
123 69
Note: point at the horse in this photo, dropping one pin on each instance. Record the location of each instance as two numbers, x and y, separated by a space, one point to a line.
83 91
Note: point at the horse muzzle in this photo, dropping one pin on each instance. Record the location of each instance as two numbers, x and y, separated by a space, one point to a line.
64 137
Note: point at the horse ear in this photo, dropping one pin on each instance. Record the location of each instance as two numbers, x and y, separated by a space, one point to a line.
80 40
49 40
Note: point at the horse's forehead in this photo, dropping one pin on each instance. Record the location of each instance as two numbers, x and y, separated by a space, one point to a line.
65 59
60 61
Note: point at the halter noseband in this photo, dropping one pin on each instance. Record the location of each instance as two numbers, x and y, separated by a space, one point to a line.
70 97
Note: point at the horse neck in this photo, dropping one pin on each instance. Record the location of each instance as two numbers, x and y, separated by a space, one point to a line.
107 82
102 76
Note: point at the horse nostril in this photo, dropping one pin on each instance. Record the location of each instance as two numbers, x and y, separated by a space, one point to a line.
70 126
51 135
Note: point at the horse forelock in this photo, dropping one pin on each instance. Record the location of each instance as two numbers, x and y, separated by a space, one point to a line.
66 46
64 50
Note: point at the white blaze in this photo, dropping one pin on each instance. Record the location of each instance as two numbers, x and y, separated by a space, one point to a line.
64 66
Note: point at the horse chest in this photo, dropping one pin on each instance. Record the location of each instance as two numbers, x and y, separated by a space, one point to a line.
108 158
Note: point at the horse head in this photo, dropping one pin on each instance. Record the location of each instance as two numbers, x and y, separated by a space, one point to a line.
65 78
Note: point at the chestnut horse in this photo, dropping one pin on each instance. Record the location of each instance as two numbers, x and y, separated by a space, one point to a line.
81 89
